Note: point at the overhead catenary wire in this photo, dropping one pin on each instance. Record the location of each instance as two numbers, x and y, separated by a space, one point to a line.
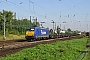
33 8
77 6
33 12
57 6
19 7
43 8
75 14
34 4
73 7
69 8
29 5
14 5
68 14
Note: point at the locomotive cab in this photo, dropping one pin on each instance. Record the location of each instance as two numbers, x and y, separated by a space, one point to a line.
29 33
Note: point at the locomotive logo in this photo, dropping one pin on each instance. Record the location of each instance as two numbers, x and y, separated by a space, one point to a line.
43 32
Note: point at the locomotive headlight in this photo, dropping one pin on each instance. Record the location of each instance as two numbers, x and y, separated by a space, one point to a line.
30 33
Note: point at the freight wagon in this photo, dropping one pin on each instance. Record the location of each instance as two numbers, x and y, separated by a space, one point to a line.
87 34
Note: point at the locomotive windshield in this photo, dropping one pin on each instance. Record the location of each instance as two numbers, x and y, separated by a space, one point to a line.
29 28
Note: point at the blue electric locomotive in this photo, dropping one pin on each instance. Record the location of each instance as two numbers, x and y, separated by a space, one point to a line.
36 33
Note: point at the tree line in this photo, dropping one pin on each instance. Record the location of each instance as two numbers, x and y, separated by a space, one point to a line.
13 25
18 26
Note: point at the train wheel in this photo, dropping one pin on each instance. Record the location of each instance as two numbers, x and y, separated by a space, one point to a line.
31 40
47 38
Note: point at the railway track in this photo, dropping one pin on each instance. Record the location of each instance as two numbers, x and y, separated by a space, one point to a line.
85 52
11 47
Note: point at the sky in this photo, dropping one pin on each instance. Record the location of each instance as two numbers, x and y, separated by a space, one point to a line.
76 13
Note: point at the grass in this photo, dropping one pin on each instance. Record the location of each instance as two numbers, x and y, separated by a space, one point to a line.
63 50
87 56
12 37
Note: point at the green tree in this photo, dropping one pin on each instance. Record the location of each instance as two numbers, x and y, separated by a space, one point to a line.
69 30
14 26
58 29
8 16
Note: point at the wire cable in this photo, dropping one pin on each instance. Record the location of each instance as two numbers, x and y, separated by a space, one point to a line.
19 7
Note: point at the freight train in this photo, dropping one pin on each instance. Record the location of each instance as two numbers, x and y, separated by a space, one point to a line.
87 34
38 33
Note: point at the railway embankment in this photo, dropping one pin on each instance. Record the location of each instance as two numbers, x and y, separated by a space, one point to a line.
66 49
85 54
10 47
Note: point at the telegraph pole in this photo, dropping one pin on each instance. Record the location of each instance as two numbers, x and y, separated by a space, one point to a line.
53 25
42 23
30 20
15 15
64 25
60 27
15 21
36 21
4 28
